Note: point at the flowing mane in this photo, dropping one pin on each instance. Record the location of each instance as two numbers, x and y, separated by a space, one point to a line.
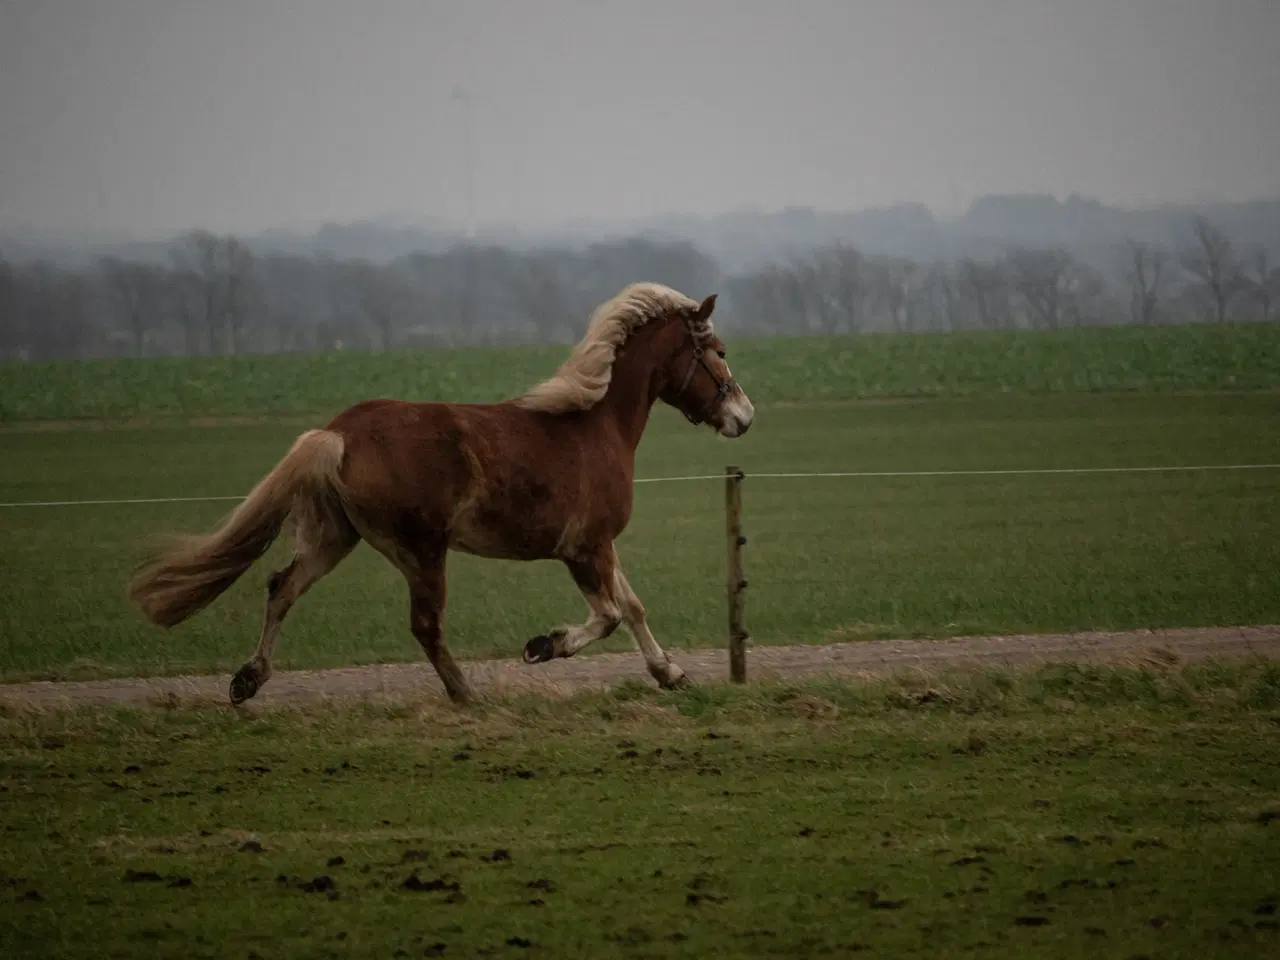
583 379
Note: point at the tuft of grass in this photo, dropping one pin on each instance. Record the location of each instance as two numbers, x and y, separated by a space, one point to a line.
1087 359
1039 813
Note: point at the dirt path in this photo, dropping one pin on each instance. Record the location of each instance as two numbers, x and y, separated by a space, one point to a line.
703 666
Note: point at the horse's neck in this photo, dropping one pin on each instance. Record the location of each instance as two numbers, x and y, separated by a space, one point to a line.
630 396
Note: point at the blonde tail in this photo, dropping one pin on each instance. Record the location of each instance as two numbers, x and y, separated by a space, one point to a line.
195 570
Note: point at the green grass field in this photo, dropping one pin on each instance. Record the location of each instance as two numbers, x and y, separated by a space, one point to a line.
827 558
1067 813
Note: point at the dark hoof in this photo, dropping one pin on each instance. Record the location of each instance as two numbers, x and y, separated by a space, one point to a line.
681 682
460 697
539 650
244 684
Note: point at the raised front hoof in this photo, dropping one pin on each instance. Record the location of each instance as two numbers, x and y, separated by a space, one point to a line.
245 684
540 649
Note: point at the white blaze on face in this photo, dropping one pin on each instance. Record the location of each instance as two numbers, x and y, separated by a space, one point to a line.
737 412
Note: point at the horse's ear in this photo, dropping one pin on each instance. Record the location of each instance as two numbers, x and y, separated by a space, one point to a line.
705 309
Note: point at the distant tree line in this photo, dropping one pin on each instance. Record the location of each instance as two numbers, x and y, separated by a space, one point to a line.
215 296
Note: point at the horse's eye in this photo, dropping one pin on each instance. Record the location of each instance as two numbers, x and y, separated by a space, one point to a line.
720 354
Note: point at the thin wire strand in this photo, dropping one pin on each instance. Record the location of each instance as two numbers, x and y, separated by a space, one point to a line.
861 474
974 473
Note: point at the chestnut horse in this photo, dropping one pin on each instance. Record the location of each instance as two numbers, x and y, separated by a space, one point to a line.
547 475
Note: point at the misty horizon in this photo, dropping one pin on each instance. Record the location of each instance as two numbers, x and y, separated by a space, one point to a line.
151 117
602 225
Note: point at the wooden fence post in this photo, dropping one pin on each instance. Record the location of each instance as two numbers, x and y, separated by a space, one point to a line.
737 582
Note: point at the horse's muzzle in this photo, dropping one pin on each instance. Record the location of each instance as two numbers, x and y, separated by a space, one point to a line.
736 416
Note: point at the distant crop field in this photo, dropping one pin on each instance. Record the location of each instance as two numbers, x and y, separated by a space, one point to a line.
1165 358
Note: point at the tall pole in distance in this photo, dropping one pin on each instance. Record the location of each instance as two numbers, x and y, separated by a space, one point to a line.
737 583
469 160
468 262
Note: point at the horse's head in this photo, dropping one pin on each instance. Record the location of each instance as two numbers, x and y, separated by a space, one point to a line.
697 381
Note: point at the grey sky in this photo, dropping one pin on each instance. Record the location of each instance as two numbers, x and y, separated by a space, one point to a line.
151 115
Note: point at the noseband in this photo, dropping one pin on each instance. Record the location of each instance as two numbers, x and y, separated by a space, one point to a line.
723 387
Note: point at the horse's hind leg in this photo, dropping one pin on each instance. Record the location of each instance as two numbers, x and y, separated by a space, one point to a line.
427 588
594 576
323 537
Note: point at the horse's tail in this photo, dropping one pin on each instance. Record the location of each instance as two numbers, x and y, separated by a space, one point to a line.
195 570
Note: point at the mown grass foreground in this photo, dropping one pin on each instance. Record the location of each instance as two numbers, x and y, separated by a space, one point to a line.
1064 813
1125 359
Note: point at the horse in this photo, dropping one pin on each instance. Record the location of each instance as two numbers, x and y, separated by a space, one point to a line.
548 475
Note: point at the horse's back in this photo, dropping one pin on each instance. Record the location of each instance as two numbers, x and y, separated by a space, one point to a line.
494 479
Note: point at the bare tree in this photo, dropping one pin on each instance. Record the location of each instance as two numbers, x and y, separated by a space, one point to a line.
10 338
1211 260
543 294
185 293
292 300
897 282
940 298
985 285
197 258
237 263
1143 274
1043 280
1085 296
812 288
1262 282
218 275
836 280
381 294
52 307
137 292
759 300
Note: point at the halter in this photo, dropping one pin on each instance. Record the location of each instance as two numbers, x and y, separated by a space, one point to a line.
723 387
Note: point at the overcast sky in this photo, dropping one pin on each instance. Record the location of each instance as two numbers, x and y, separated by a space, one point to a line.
146 116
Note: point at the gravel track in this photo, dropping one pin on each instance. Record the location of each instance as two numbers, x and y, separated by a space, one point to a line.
562 677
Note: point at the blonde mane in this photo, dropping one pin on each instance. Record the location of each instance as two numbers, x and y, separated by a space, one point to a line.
583 379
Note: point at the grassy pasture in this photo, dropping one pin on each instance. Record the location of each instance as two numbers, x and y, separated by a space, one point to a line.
1154 359
1062 813
827 558
1066 812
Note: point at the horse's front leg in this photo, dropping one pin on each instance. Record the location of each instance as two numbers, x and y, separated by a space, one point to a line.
612 601
661 668
594 575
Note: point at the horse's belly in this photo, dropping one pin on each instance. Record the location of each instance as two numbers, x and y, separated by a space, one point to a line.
523 519
506 542
492 550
